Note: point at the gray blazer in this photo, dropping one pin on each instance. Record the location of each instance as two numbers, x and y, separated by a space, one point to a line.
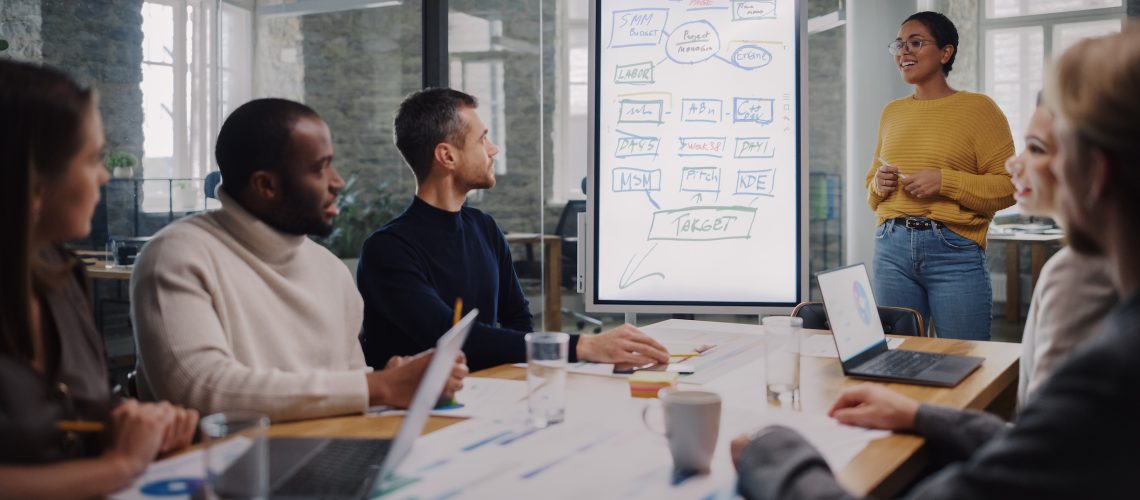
1079 437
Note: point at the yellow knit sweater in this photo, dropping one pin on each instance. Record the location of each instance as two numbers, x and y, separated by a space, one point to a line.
967 137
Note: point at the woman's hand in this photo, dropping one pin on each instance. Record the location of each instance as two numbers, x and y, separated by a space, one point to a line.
138 432
886 179
923 184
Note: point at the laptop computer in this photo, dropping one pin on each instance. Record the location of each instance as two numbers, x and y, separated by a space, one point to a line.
854 316
361 468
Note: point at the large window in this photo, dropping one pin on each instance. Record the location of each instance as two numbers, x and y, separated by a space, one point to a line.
186 89
475 53
571 158
1020 36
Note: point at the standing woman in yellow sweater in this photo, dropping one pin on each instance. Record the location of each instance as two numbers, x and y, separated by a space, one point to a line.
936 180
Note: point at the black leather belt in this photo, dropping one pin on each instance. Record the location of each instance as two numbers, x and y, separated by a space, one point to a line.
915 222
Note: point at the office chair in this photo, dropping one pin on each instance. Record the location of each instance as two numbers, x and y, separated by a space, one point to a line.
896 320
211 183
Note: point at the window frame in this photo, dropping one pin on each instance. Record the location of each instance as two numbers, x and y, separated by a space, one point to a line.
563 189
1045 21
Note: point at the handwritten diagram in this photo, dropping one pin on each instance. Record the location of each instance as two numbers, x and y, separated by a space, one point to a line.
696 130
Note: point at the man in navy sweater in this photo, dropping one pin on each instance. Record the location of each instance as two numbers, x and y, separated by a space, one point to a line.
412 269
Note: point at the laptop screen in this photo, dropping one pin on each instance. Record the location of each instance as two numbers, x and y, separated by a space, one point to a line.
427 395
851 309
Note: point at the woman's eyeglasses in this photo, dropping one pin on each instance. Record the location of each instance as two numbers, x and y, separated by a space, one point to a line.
913 45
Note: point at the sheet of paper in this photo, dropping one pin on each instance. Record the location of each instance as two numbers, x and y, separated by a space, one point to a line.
585 368
734 345
619 454
823 346
179 476
480 397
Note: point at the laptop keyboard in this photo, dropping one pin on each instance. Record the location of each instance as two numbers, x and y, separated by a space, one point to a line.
337 470
902 364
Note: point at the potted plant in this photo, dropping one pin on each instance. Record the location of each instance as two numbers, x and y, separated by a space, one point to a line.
121 164
362 211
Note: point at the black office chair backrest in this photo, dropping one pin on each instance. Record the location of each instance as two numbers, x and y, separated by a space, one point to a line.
896 320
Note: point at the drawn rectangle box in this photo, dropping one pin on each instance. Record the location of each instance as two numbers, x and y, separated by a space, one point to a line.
641 111
756 182
747 10
702 110
701 146
754 147
753 110
637 27
635 180
703 224
635 145
634 74
700 179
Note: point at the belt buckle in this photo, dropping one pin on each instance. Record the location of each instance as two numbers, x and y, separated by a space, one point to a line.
914 223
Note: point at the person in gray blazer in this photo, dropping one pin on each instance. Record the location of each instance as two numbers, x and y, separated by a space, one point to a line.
1078 436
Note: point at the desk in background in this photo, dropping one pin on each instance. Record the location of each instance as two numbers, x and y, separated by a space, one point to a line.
882 469
551 275
1038 246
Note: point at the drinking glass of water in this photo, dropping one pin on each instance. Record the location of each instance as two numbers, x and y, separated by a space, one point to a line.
547 357
782 358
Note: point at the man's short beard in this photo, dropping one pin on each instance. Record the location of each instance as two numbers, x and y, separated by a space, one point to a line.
297 214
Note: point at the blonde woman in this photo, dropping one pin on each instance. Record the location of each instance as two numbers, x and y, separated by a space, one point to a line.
1075 291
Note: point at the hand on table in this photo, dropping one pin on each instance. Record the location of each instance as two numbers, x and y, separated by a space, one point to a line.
624 344
138 433
875 407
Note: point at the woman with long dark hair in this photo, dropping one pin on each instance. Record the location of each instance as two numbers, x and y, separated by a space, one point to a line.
54 394
937 179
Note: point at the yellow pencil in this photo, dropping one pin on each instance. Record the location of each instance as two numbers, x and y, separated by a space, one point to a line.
455 321
80 426
458 311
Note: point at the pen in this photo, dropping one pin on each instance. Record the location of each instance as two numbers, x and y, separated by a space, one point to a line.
80 426
885 162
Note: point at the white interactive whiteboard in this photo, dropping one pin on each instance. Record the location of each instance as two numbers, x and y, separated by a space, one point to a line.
697 196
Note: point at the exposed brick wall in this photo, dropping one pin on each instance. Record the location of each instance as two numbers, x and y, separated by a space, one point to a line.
20 26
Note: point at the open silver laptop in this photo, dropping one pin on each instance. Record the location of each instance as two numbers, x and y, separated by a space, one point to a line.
362 468
862 346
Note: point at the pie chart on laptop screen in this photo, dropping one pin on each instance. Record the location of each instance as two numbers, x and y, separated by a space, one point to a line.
862 302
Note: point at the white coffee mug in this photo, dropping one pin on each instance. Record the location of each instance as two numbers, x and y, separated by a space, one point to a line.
692 422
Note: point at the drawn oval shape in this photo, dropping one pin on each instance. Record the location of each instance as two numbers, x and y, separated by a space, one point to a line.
692 42
751 57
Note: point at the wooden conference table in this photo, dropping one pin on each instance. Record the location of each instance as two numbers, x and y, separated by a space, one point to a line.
882 469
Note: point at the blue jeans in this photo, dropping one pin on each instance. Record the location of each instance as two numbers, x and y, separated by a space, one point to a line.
938 273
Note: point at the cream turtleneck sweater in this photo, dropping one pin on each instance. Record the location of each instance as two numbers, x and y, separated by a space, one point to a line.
231 314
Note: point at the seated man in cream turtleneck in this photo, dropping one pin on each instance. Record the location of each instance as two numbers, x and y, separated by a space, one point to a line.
237 309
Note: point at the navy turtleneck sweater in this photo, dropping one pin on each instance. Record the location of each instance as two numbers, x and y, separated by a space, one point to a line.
412 270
